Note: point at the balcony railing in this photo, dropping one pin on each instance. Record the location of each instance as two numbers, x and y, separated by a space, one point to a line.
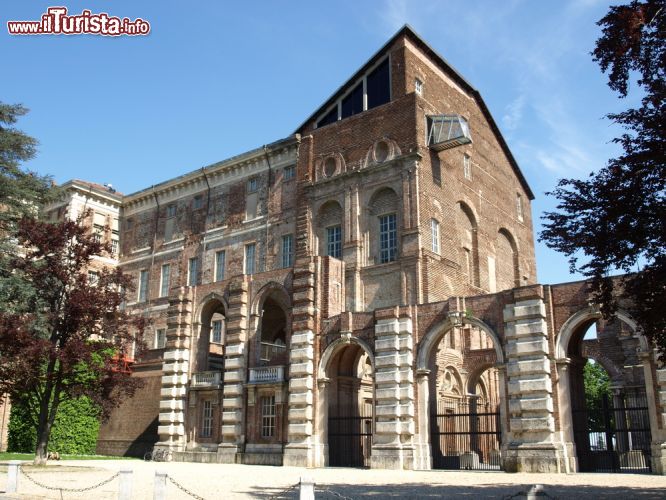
206 379
271 351
267 375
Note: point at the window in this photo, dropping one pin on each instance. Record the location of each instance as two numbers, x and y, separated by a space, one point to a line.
129 223
220 262
388 238
418 86
434 231
519 207
207 419
193 272
249 258
93 277
252 185
289 172
378 85
334 241
198 202
330 117
143 285
353 102
114 247
160 338
164 280
447 131
467 167
267 416
216 331
98 232
288 250
171 211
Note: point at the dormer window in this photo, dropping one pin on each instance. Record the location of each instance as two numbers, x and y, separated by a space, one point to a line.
447 131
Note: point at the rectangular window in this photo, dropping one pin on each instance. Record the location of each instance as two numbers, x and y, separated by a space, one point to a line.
164 280
160 338
115 245
129 223
288 250
467 167
267 416
519 207
220 262
418 86
98 232
334 241
434 231
252 185
249 258
330 117
379 85
171 211
289 172
353 102
198 202
388 238
143 285
93 277
207 419
193 272
216 331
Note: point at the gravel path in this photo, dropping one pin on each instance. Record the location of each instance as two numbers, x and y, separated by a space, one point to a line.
213 481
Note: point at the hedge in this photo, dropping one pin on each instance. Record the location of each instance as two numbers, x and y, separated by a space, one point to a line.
74 432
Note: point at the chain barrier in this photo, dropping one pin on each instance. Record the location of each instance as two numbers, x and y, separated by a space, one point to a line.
183 489
332 493
284 492
69 490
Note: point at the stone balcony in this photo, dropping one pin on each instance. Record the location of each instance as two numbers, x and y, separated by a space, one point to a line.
266 375
206 380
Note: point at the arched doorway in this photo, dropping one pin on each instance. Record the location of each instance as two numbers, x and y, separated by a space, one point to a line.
349 372
464 395
609 418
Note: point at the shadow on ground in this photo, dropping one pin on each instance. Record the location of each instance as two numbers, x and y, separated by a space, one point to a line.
495 491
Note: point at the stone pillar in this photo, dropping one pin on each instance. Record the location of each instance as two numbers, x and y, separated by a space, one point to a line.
235 373
566 415
423 454
657 409
532 447
175 369
321 427
393 438
302 449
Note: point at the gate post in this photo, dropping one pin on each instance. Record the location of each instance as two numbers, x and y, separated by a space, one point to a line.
532 447
393 439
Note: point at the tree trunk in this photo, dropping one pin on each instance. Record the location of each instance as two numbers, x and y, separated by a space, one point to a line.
47 414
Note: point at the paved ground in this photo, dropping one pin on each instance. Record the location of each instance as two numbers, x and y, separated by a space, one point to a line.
213 481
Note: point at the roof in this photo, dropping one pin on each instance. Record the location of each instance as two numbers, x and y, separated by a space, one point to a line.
408 32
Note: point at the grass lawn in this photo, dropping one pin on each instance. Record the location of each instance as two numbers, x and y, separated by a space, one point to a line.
30 456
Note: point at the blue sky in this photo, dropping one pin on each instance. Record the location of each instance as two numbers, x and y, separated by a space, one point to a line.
221 78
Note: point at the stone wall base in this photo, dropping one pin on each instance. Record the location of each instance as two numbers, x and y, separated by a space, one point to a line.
422 456
534 458
300 455
227 454
659 458
392 457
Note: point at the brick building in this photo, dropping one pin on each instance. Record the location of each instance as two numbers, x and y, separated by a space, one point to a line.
364 293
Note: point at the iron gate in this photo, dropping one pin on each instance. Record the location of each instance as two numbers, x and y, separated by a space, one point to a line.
465 436
350 436
614 436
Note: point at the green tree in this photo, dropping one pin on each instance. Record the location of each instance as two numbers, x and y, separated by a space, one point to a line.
614 221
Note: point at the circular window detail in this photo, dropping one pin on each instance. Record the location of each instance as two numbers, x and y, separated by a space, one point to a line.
381 151
330 166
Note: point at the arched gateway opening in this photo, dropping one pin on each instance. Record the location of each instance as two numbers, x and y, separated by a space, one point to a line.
609 419
349 371
463 405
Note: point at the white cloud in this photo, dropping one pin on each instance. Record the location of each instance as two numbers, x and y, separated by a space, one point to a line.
513 113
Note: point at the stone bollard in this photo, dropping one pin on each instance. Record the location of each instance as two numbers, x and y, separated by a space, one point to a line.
13 476
160 491
125 484
307 489
535 492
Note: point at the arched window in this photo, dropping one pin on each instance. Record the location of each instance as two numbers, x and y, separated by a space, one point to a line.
329 229
507 271
469 245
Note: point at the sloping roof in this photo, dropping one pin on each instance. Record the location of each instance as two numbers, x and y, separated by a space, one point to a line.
407 31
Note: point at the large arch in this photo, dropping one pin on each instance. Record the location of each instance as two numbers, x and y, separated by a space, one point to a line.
213 305
570 360
270 314
426 349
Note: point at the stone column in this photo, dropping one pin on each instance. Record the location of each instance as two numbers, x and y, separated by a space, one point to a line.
300 451
321 427
532 447
423 455
235 370
393 438
656 408
175 369
566 415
